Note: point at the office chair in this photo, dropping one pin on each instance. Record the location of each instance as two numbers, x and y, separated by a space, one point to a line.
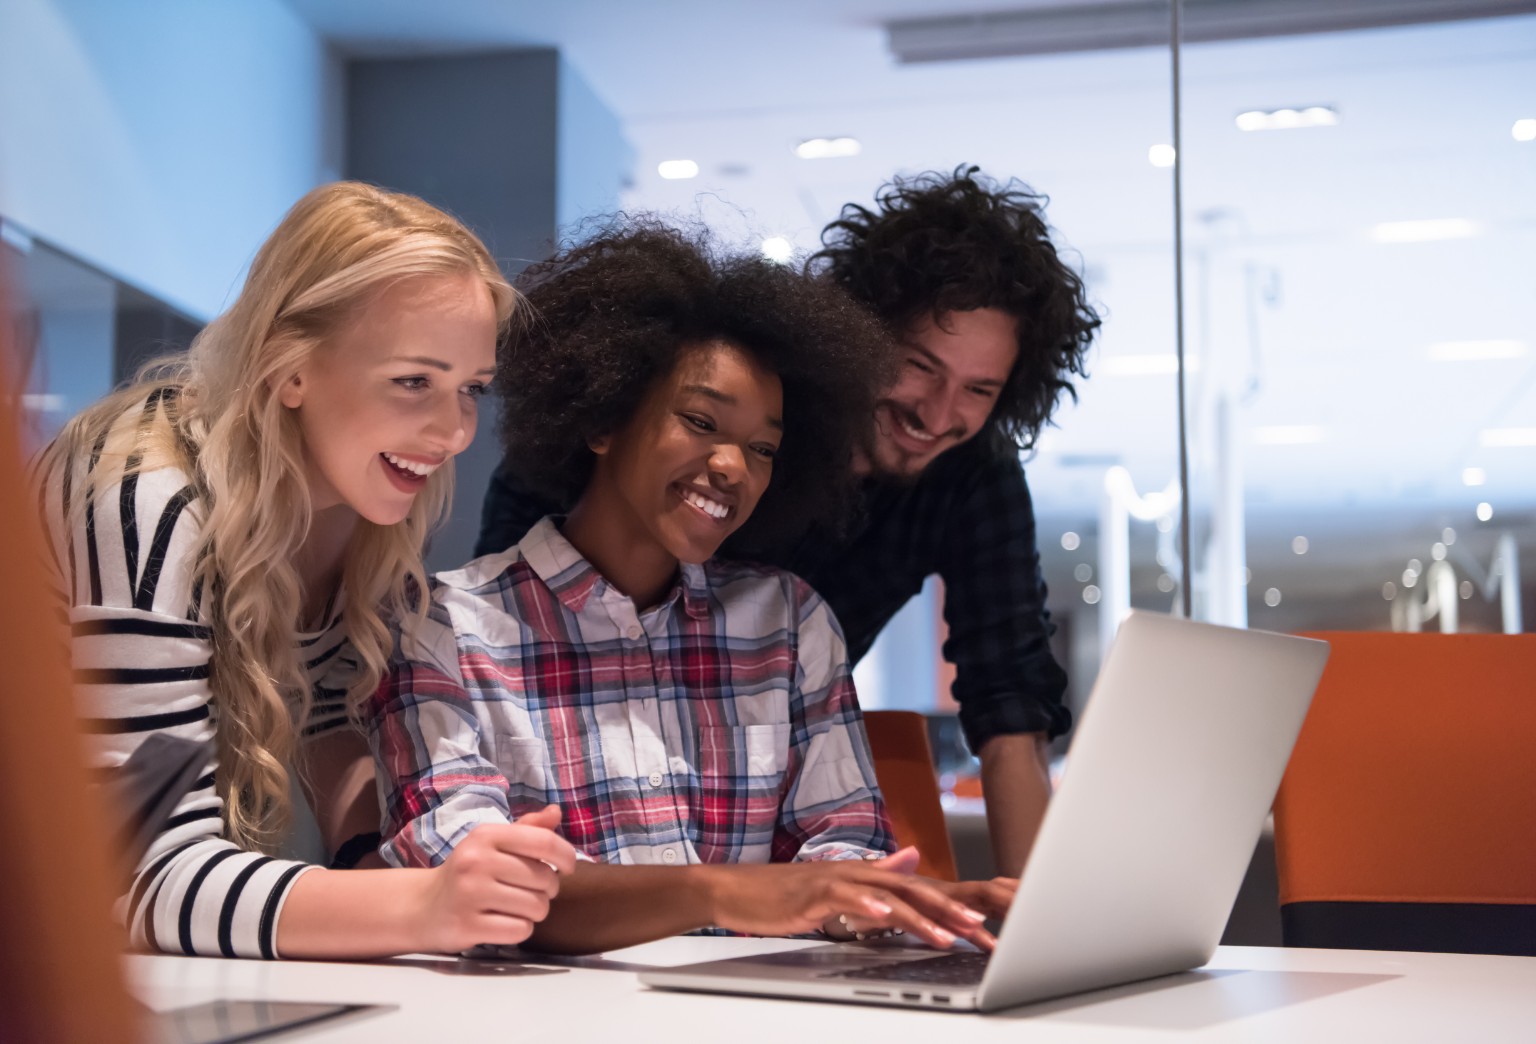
1407 816
904 769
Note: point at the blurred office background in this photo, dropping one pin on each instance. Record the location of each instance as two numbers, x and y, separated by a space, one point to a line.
1358 264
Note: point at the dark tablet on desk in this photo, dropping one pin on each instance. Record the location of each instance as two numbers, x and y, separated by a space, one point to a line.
228 1021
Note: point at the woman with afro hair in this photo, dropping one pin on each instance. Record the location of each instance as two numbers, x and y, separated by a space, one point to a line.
694 719
993 327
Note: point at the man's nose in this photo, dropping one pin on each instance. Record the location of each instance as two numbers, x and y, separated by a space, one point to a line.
937 410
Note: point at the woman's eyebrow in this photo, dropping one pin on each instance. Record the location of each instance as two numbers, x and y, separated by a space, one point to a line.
728 400
436 364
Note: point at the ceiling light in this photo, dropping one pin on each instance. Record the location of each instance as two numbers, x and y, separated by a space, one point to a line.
1437 552
1474 351
1505 437
1153 364
1425 231
1299 545
1448 536
1166 583
1288 119
1161 155
677 170
777 248
1473 476
1466 589
1484 511
1272 597
1389 590
827 148
1091 594
1083 573
1410 578
1523 130
1288 434
1070 541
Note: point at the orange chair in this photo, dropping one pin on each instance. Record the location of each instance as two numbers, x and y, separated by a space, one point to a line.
904 769
1407 817
60 977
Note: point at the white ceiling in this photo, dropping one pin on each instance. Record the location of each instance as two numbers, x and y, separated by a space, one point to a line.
1289 302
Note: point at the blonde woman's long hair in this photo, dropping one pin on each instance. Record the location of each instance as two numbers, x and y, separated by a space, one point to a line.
219 417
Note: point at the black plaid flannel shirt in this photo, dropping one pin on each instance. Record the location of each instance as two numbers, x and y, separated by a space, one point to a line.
968 518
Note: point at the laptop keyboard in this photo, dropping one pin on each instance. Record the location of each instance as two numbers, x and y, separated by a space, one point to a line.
950 969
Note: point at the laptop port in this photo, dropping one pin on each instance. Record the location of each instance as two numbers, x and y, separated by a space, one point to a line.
941 998
912 998
870 993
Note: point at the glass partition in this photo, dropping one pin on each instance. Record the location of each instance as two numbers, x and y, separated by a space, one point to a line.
1360 237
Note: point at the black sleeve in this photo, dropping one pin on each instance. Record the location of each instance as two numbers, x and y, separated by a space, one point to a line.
510 510
1006 680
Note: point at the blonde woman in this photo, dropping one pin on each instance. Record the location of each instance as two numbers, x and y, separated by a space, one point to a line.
231 539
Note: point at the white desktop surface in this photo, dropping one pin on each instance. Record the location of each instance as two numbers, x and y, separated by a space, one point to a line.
1245 993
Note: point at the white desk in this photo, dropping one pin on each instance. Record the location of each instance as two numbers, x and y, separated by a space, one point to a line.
1246 993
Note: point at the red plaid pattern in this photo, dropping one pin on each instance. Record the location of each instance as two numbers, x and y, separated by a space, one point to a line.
718 727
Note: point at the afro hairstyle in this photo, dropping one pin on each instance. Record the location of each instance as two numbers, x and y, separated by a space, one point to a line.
612 314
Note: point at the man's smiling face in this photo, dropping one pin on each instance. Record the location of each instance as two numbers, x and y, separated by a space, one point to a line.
952 368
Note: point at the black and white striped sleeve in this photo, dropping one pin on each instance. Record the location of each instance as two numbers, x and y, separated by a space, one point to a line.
141 655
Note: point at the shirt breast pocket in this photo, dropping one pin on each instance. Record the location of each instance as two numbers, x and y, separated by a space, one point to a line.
741 774
524 761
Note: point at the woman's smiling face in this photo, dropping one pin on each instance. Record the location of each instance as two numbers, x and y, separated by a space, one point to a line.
391 397
690 466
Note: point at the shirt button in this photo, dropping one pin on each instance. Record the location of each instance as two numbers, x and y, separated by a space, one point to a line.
633 634
669 856
654 779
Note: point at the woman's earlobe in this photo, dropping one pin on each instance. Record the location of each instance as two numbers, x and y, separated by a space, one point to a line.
291 392
598 444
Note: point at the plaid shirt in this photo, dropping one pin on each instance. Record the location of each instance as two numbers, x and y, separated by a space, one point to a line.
967 518
720 726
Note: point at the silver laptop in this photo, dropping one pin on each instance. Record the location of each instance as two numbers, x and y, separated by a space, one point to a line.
1139 859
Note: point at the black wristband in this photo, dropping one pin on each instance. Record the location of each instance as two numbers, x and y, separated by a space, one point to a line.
353 849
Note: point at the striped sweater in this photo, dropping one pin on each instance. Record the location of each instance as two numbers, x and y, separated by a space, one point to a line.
141 649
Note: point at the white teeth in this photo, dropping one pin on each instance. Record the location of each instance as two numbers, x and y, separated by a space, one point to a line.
712 508
920 436
414 467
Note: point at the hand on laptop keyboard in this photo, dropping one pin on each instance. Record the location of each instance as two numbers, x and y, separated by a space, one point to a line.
790 898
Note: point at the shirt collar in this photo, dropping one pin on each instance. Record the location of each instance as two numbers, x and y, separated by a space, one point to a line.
573 579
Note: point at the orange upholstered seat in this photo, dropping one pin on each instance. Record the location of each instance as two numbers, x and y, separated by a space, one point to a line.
1407 817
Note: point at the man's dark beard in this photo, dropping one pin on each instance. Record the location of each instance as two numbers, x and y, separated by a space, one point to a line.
878 472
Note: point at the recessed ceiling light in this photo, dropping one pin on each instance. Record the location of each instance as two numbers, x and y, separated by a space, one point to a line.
1523 130
1150 364
1299 545
1091 594
828 148
777 248
1161 155
1272 597
1288 118
1484 511
677 170
1474 351
1473 476
1505 437
1070 541
1425 231
1288 434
